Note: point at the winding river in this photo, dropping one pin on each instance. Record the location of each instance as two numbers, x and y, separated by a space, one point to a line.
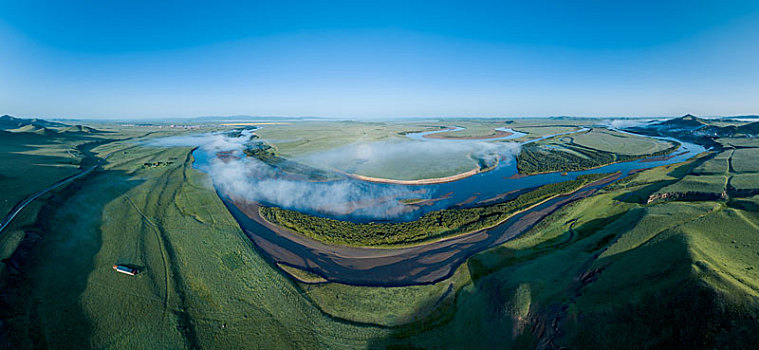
434 261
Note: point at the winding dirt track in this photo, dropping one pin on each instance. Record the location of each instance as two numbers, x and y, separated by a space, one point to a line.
421 264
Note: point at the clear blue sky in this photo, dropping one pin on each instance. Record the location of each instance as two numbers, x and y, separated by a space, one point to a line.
148 59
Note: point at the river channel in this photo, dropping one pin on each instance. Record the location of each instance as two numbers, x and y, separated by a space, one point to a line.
434 261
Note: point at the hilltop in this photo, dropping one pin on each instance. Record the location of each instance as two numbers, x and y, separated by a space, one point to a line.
42 127
80 129
8 122
687 121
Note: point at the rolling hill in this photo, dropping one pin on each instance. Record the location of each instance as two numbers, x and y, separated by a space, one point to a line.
7 122
44 127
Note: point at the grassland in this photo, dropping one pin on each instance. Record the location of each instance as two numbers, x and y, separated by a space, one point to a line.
719 165
712 184
202 286
538 131
388 306
35 156
587 150
302 139
746 160
739 142
434 225
745 182
620 143
30 161
612 272
293 140
732 172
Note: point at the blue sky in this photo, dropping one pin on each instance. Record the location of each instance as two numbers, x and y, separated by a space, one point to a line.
373 59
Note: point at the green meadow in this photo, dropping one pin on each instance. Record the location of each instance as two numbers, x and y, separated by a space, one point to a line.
586 150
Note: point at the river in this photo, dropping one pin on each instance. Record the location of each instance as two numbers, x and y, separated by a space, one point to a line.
435 261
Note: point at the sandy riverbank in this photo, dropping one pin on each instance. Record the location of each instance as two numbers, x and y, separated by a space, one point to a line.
430 181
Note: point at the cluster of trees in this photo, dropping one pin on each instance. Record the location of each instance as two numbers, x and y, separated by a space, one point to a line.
267 154
535 158
432 225
262 151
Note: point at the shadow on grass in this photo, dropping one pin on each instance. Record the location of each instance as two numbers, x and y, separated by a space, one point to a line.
646 297
744 205
641 196
488 309
653 300
40 298
22 174
493 260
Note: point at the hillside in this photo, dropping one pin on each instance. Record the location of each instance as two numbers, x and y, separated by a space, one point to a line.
7 122
80 129
44 127
750 130
34 129
699 130
688 121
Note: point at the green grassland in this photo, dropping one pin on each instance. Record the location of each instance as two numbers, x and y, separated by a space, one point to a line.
739 142
387 306
616 142
611 272
29 162
615 273
586 150
746 160
303 138
293 140
732 170
202 283
537 131
744 182
719 165
714 184
33 157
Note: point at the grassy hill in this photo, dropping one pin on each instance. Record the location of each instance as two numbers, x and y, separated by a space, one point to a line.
585 150
689 127
8 122
687 121
43 127
79 129
35 129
